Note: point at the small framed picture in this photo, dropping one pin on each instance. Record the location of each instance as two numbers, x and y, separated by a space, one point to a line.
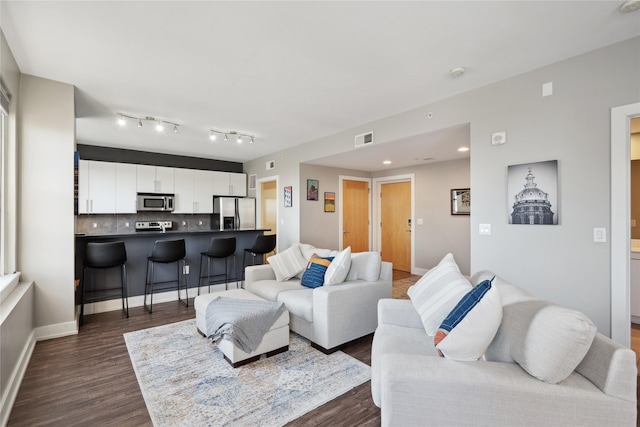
288 197
461 201
312 189
329 202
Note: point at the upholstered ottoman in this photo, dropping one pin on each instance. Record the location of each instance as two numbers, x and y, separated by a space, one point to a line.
275 341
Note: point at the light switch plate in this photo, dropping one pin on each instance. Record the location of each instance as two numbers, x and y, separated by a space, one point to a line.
485 229
599 235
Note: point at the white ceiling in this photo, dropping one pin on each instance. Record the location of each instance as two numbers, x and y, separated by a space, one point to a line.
287 72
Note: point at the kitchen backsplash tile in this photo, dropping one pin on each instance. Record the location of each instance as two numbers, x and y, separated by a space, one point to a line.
125 223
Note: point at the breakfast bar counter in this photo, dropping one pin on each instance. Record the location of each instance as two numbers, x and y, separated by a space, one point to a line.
139 245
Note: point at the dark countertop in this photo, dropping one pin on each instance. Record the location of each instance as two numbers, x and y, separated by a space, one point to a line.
167 233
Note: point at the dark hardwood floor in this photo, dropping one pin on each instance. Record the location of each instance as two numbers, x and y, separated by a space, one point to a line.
87 379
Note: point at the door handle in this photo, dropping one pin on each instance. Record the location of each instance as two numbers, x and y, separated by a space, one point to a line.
408 231
345 232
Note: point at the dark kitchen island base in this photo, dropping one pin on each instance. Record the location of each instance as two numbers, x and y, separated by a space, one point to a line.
139 245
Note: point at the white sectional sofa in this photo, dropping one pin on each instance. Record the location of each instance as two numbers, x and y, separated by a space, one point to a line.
546 366
333 314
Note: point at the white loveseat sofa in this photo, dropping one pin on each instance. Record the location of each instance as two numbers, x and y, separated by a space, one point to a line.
413 386
330 315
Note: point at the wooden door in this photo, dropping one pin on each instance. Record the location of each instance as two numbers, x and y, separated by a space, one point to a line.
395 224
355 215
268 200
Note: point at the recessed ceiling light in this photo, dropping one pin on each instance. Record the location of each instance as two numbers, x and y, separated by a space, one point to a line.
462 149
386 162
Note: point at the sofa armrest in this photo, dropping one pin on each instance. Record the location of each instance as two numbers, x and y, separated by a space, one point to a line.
425 389
399 312
255 273
344 312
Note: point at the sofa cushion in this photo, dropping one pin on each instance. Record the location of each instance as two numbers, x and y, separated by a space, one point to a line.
468 330
546 340
288 263
313 276
437 292
269 289
364 266
339 268
299 303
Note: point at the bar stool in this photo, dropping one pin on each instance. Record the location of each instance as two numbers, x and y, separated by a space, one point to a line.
220 248
165 252
262 245
103 256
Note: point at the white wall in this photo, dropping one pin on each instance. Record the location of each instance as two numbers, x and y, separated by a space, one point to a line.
46 132
560 263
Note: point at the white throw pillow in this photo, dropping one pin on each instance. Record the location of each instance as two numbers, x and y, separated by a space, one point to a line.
437 292
288 263
470 327
339 268
364 266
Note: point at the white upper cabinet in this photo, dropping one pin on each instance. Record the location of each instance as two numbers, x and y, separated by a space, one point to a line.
154 179
203 191
229 184
126 188
96 187
194 191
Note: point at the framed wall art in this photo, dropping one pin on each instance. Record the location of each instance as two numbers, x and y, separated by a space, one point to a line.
532 193
329 202
461 201
288 197
312 189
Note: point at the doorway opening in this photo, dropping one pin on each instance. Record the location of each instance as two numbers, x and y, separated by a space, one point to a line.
267 211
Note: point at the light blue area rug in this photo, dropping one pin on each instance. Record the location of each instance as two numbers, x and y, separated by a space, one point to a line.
185 380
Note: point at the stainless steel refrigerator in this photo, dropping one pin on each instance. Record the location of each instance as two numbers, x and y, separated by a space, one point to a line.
233 213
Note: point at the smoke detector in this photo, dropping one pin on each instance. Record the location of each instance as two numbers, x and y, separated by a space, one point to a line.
456 72
630 6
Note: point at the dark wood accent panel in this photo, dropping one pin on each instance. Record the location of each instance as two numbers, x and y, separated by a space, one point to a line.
119 155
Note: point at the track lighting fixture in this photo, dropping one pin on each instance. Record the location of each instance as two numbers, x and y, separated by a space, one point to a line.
160 125
122 121
239 136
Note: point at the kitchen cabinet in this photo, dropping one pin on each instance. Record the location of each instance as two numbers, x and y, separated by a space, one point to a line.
96 187
126 188
193 191
229 184
154 179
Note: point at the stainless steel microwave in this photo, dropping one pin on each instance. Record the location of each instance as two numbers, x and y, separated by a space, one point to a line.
155 202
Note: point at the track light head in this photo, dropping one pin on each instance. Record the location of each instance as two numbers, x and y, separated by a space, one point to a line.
212 136
175 128
139 123
252 140
121 121
159 127
239 139
225 137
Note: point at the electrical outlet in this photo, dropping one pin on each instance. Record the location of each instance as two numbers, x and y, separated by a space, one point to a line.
186 269
95 225
126 224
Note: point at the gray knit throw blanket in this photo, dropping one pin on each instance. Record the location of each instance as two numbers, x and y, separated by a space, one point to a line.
241 321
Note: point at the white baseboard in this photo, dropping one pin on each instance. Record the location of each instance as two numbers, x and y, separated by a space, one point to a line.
13 386
56 331
419 271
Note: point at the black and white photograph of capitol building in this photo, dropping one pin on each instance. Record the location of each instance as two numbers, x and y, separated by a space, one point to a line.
533 193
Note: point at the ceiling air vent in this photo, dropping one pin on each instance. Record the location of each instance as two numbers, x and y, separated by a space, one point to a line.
364 139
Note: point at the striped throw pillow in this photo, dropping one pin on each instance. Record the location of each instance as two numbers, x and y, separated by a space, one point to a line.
313 276
437 292
288 263
465 334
